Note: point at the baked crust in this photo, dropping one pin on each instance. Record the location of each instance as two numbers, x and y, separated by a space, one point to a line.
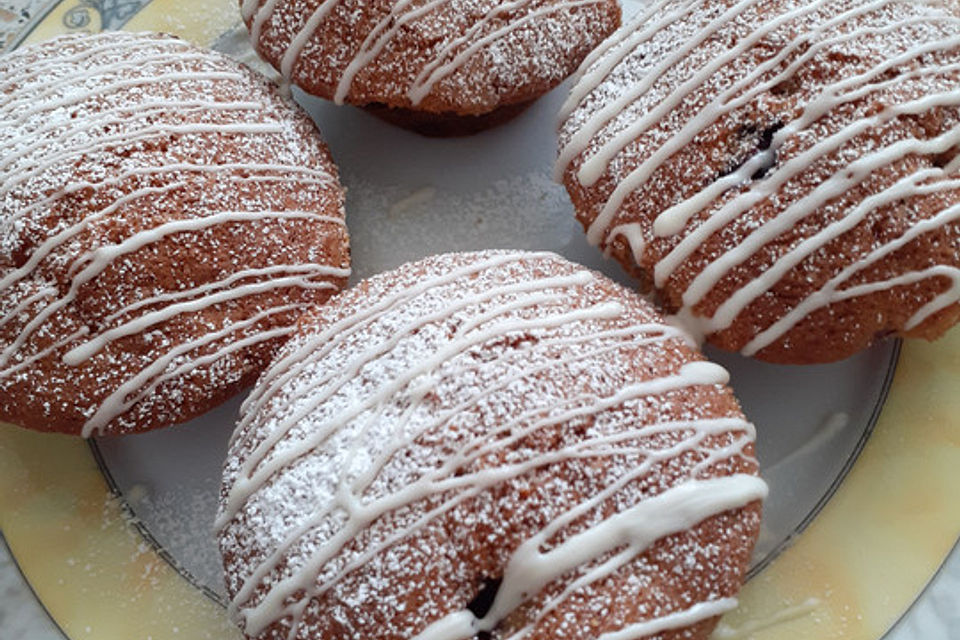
782 173
435 436
454 58
164 215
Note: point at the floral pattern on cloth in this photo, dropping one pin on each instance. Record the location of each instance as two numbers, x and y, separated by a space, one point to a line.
19 17
15 18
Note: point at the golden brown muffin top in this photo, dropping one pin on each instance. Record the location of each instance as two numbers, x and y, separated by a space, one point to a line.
502 422
460 56
163 212
782 172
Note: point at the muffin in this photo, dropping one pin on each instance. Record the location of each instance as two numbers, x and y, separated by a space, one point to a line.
783 174
164 218
440 68
484 444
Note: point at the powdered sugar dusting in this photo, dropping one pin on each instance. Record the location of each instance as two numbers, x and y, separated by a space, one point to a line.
463 56
782 158
524 402
137 170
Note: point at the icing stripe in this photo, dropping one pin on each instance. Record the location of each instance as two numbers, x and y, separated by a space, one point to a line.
442 62
359 432
529 570
318 346
149 378
697 613
909 79
128 124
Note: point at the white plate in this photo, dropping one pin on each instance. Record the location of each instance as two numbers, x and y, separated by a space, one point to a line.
408 197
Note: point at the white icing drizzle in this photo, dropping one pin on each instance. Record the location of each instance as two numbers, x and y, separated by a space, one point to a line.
271 173
339 405
293 51
697 613
38 73
103 256
306 270
831 290
124 91
911 79
436 72
149 378
307 444
673 511
493 23
622 40
49 91
291 365
632 232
